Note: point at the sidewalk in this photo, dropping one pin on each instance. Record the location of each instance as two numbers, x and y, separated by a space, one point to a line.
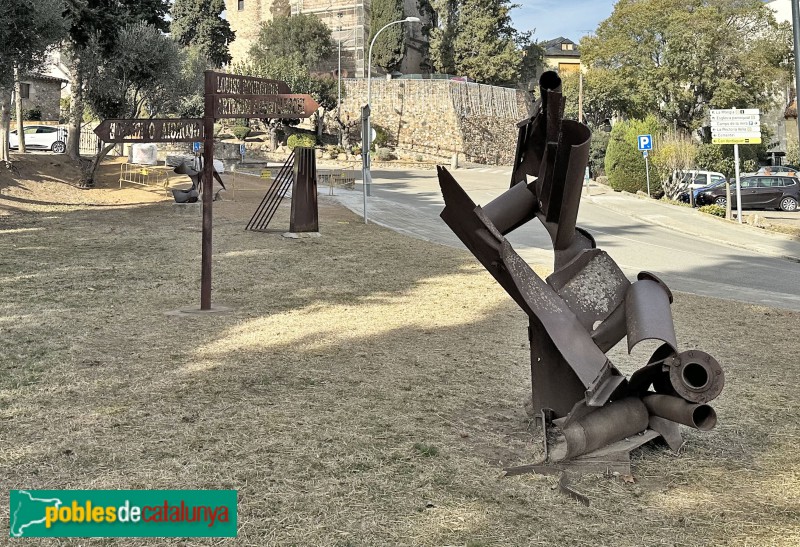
693 222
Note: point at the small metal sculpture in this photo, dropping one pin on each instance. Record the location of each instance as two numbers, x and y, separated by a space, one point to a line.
192 194
585 307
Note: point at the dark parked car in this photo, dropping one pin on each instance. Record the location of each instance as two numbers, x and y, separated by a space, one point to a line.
758 192
684 196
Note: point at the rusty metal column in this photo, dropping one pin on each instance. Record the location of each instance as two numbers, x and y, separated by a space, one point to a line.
304 216
208 194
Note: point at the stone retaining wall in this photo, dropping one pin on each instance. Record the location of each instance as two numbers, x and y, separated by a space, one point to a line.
440 118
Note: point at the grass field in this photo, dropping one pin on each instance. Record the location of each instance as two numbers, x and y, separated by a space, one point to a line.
365 389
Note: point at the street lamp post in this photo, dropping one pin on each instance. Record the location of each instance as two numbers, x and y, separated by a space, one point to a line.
339 77
366 140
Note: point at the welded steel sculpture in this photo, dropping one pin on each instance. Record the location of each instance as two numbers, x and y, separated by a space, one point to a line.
585 307
191 195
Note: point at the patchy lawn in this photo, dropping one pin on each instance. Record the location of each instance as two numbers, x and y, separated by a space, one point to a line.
365 389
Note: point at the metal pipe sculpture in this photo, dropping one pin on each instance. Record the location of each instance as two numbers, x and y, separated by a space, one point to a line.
586 306
191 195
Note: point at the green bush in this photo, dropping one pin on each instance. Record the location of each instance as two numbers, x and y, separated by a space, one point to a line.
241 132
34 114
624 163
597 152
715 210
303 140
217 129
382 137
384 154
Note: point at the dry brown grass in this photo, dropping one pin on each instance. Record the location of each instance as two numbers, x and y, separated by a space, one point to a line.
366 389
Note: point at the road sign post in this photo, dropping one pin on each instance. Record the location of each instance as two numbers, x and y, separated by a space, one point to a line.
365 172
736 126
645 145
226 96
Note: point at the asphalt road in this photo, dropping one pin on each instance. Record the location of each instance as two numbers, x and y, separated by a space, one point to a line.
410 202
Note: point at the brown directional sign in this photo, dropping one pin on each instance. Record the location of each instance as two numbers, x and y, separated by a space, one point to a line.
155 130
264 106
232 84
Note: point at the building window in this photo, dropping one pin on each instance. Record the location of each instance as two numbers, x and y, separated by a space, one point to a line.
567 47
24 91
241 5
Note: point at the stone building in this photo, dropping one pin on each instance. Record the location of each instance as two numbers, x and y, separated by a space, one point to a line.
42 93
349 21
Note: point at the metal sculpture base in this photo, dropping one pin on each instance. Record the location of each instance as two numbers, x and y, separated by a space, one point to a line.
187 312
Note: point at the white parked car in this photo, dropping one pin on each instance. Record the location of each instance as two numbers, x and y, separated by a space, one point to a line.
695 179
41 137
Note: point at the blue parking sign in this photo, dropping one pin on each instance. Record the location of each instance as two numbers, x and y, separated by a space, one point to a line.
196 146
645 142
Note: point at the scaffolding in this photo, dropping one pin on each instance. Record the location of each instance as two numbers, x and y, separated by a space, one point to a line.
349 24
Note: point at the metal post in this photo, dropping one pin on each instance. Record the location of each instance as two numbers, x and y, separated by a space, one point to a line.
366 141
208 195
580 95
738 184
339 95
647 171
365 174
339 74
796 35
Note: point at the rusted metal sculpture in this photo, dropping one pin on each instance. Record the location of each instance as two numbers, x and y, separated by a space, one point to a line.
300 173
190 195
584 308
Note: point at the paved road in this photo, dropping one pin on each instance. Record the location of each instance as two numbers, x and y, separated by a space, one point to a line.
690 252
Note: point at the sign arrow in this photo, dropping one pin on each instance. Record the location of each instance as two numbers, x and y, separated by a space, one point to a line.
264 106
151 130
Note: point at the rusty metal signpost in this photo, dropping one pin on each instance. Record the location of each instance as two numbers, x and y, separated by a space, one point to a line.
226 96
583 309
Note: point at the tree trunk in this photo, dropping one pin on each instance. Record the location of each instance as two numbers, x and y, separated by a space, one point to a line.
89 168
320 125
76 112
5 124
273 137
18 94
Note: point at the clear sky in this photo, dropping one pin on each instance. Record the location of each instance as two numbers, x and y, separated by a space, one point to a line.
571 19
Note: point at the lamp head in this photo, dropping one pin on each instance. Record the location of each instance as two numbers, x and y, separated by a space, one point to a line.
412 20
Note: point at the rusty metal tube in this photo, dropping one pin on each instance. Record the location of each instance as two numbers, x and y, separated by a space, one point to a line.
512 208
609 424
698 416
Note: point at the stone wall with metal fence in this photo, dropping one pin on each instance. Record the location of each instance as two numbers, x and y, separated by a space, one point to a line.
439 118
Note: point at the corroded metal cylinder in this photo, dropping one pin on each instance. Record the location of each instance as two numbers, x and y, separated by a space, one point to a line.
698 416
609 424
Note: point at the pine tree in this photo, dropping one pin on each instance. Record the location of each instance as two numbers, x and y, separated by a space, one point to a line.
388 50
484 47
198 23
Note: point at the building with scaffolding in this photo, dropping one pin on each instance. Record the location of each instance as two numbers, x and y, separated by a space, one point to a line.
349 21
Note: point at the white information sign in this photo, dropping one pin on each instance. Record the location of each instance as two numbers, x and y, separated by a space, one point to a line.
736 126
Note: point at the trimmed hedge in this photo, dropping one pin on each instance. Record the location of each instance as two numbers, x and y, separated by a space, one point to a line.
303 140
241 132
624 163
